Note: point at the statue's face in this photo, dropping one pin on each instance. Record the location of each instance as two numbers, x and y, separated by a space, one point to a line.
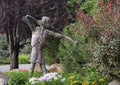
46 22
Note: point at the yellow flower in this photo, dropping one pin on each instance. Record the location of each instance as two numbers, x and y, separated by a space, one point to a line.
93 83
72 77
71 81
101 80
85 83
74 82
80 81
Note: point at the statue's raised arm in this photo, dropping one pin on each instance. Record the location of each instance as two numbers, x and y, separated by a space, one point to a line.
58 35
31 21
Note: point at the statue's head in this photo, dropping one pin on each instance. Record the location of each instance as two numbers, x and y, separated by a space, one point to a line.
32 22
45 21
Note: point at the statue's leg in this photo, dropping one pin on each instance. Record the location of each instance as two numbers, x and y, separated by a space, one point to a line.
44 71
43 67
32 69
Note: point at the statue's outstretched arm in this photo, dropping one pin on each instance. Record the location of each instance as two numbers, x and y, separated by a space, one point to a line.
31 21
58 35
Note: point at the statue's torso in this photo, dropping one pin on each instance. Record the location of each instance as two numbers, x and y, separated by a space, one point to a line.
39 38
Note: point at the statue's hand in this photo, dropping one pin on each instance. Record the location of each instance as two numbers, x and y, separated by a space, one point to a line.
75 43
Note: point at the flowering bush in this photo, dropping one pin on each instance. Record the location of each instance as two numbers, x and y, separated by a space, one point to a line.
50 78
107 52
104 30
87 80
90 78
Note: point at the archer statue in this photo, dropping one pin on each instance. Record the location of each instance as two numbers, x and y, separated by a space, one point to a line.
40 33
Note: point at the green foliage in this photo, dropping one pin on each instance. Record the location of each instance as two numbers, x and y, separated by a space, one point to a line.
88 6
3 48
5 61
51 49
75 4
18 78
107 54
91 77
73 57
24 59
103 34
26 49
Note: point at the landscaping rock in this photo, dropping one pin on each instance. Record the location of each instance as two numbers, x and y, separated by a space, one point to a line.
56 68
115 82
3 79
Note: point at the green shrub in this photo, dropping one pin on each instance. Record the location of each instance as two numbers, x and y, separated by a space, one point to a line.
73 57
51 49
88 6
5 61
91 76
26 49
3 47
106 53
18 78
24 59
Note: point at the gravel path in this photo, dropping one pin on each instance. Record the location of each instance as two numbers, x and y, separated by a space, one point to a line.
6 68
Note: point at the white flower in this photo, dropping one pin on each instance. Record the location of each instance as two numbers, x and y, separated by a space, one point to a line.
63 80
59 76
55 78
33 80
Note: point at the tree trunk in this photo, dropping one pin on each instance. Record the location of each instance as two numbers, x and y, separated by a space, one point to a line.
14 58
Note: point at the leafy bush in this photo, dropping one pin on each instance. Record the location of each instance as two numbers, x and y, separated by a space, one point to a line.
26 49
18 78
5 61
88 6
24 59
51 49
103 30
3 47
72 57
107 54
107 51
90 77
